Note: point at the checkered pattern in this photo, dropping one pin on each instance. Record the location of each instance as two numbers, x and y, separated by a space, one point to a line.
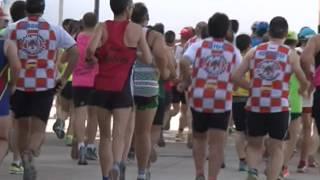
37 45
211 88
270 91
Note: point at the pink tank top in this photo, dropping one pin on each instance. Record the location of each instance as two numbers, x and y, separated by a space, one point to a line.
84 74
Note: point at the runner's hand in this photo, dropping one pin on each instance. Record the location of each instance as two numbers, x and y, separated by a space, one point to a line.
304 90
181 87
59 85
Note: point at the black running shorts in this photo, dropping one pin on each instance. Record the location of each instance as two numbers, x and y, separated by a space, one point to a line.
239 115
82 96
273 124
178 97
66 92
163 106
32 104
114 100
202 122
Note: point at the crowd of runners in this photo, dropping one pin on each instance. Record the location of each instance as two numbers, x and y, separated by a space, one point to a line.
128 79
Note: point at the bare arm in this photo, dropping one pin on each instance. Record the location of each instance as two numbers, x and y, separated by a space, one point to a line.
159 51
145 56
73 55
171 66
98 37
238 76
308 55
13 59
185 73
296 67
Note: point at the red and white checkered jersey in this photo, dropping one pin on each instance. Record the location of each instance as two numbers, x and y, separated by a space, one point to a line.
270 72
213 63
37 43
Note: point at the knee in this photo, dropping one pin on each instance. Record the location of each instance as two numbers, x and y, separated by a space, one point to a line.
199 136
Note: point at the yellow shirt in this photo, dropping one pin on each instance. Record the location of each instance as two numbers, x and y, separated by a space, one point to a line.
240 91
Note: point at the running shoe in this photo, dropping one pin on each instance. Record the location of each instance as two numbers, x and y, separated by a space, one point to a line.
285 172
252 174
29 171
16 169
141 177
200 177
313 163
148 175
252 177
122 171
58 128
82 156
243 166
68 140
91 154
302 167
115 173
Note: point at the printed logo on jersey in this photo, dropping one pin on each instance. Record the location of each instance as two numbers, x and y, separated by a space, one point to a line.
215 65
32 44
268 70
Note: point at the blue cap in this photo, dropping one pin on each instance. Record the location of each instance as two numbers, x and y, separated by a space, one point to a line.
262 28
306 33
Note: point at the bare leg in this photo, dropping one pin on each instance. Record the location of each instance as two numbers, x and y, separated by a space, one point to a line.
144 119
4 136
254 151
276 158
199 152
92 125
105 147
216 140
294 131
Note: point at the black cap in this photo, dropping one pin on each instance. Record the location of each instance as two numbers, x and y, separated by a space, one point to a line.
35 6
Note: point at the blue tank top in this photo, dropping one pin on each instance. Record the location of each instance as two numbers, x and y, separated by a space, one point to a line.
3 70
3 59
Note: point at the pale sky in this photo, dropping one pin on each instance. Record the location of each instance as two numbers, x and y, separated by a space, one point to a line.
176 14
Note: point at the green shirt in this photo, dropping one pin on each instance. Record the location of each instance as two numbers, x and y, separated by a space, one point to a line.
295 99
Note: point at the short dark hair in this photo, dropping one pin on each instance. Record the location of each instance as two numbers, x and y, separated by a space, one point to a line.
18 10
119 6
170 37
278 27
243 42
89 20
234 25
139 13
218 25
72 26
159 27
35 6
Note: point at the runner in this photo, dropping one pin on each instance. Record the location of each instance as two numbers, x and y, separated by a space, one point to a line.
116 42
17 12
8 59
240 97
295 101
308 139
271 65
311 56
82 89
201 33
36 83
178 98
260 30
213 61
146 90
